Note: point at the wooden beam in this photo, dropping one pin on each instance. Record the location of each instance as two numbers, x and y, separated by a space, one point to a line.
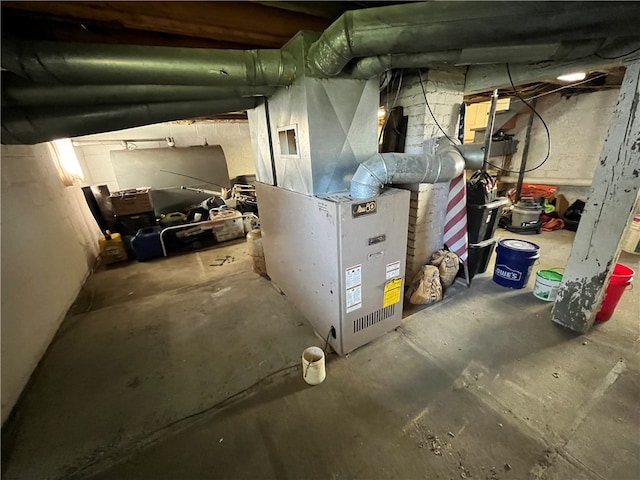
482 78
612 197
238 22
36 26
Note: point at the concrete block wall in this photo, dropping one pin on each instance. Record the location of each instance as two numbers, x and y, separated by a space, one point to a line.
232 136
578 126
49 245
444 90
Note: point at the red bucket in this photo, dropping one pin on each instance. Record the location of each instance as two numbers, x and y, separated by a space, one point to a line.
620 279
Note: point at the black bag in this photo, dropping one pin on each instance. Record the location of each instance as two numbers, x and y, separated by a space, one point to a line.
574 212
481 189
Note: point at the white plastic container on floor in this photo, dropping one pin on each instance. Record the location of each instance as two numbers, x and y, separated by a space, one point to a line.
313 369
227 224
631 239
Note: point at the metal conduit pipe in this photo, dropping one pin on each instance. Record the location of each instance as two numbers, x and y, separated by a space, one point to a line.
29 94
401 168
425 27
67 63
34 125
368 67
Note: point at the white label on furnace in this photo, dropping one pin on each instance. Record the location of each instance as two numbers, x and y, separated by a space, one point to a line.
393 270
353 276
354 298
353 283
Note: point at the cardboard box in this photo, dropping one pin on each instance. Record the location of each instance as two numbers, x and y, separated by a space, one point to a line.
131 202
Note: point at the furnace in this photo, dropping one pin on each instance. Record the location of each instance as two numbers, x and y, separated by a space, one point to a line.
340 261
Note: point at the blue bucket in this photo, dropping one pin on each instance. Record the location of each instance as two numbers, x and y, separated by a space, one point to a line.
514 261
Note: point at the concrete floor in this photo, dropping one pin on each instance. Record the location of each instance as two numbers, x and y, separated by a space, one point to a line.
182 368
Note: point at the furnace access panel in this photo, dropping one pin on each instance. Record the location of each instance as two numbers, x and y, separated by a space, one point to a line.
340 261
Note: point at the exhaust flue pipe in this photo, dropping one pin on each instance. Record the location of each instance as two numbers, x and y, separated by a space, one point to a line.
383 169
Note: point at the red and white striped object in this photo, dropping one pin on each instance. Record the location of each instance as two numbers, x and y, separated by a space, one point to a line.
455 221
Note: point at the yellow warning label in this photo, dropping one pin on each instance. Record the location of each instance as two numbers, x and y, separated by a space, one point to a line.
392 291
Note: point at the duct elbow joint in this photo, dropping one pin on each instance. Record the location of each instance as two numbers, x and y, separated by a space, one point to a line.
329 54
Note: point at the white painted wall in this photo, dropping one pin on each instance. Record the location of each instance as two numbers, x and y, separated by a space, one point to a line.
578 126
49 244
232 136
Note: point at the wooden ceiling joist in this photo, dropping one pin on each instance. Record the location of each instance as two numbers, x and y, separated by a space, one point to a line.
241 23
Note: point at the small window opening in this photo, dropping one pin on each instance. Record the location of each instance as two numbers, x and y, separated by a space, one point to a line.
66 162
288 142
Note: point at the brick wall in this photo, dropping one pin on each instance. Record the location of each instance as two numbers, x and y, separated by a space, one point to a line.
444 90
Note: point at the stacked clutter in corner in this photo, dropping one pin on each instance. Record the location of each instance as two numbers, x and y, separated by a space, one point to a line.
133 212
483 214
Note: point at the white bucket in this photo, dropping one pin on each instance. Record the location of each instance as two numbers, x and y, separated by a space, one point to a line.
631 240
547 285
313 370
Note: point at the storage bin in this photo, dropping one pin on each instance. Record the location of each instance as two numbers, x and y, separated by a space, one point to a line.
130 202
146 244
482 220
227 225
479 256
130 224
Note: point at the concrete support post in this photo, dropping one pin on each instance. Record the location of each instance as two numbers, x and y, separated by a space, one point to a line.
611 200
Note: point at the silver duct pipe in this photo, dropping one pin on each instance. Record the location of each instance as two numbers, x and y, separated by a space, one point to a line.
400 168
35 125
443 26
52 62
28 94
368 67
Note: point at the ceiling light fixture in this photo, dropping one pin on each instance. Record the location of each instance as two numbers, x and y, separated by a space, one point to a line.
572 77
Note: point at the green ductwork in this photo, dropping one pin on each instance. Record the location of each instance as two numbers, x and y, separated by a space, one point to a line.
18 92
34 125
425 27
64 63
57 90
370 66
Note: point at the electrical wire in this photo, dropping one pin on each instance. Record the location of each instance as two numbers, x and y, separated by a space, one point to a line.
429 108
618 56
587 80
535 112
388 110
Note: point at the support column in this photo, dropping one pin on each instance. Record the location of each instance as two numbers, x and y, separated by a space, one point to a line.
611 200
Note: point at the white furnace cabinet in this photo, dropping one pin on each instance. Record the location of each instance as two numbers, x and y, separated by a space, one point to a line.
340 261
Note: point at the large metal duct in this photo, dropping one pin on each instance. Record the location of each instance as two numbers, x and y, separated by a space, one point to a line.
370 66
444 26
34 125
18 92
401 168
64 63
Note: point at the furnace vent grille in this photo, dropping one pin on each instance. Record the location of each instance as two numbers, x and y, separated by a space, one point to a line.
373 318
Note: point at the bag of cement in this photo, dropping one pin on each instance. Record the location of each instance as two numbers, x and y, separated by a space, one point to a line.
448 264
425 288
